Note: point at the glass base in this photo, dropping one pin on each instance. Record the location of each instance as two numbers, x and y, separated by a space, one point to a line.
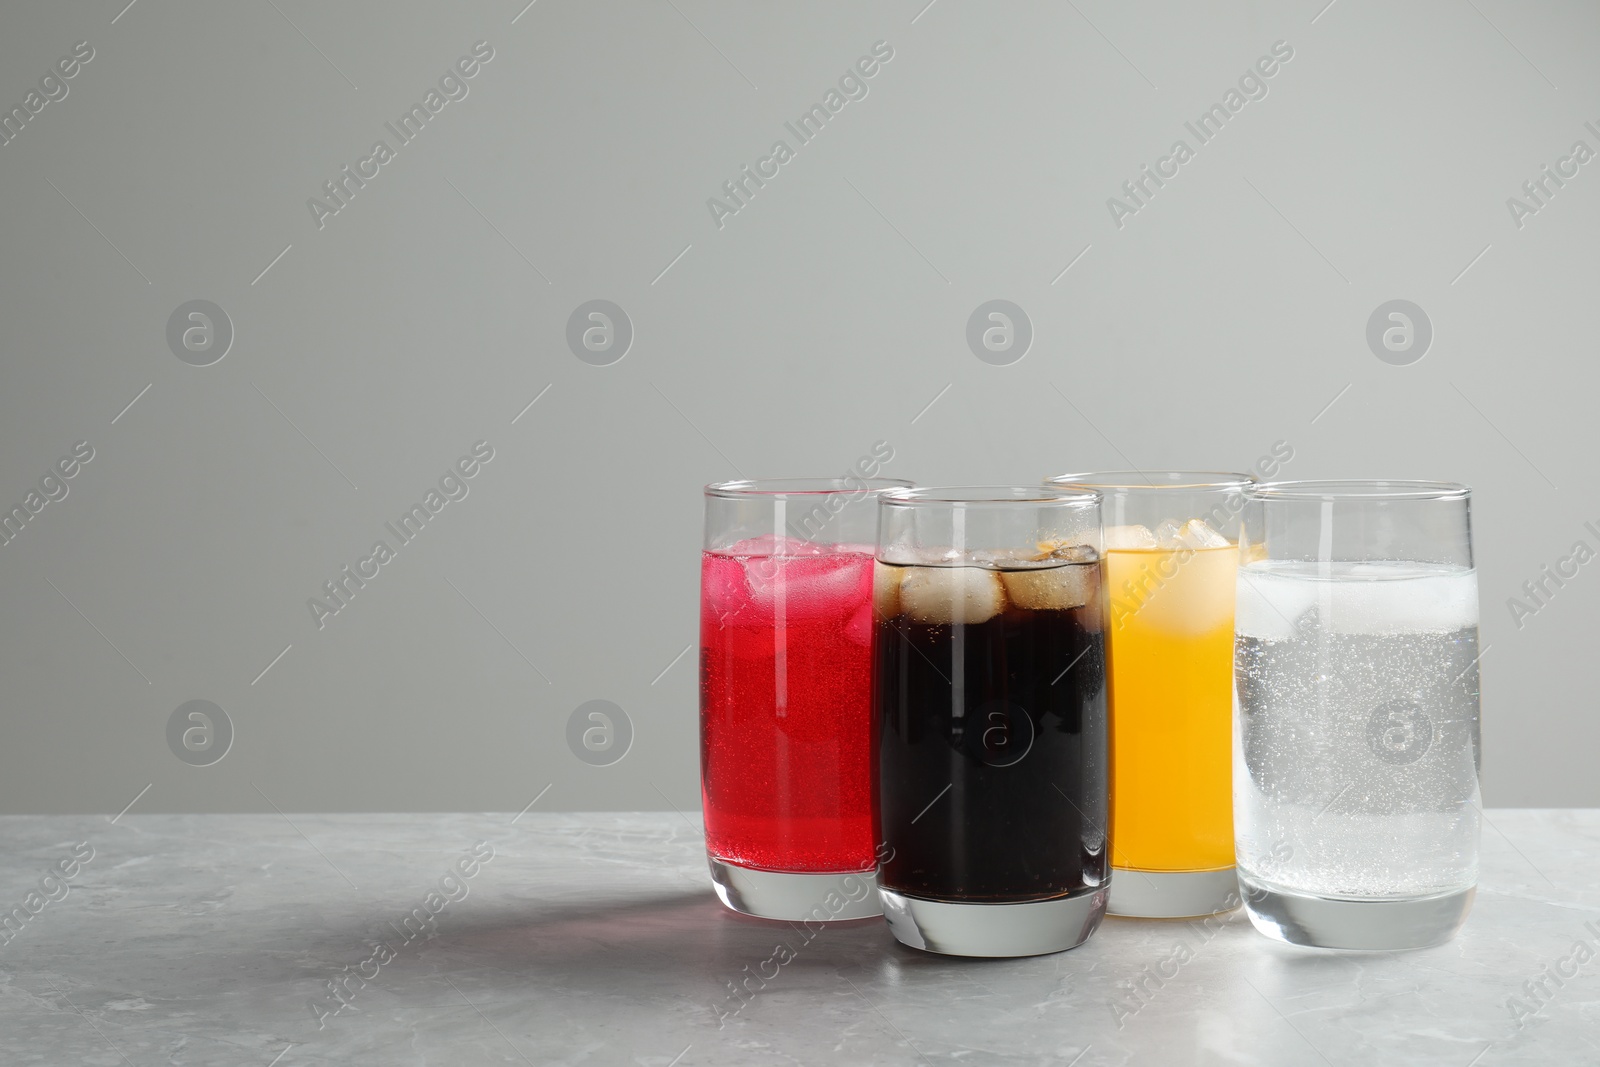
1033 928
796 897
1330 922
1172 894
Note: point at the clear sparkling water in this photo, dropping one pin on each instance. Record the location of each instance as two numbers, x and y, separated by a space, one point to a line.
1356 754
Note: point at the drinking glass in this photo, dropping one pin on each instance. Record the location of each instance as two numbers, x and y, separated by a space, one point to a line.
989 719
1356 743
1171 564
785 668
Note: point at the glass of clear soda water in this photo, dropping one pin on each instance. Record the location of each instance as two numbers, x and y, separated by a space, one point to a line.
1356 750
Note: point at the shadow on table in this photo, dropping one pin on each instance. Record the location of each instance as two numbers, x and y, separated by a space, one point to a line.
650 944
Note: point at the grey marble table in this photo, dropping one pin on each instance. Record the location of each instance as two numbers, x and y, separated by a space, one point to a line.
595 939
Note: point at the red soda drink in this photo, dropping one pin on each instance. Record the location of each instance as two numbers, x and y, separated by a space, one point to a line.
785 690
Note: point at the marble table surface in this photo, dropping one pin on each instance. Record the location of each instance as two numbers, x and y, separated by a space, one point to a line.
595 939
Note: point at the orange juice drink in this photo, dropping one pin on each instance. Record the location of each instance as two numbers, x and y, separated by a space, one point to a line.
1171 678
1171 561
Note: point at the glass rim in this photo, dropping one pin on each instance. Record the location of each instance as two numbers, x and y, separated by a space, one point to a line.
988 496
1333 489
785 487
1178 479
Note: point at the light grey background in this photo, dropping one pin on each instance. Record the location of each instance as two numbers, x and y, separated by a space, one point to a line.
1229 313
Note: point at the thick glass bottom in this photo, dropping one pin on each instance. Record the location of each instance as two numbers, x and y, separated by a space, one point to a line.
1172 894
796 897
1331 922
1033 928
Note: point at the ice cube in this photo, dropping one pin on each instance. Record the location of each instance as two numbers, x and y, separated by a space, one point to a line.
951 594
808 587
723 591
776 545
886 590
1270 607
1196 534
1050 588
1128 537
859 628
1068 552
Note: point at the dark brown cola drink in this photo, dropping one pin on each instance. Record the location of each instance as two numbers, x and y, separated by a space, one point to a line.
991 749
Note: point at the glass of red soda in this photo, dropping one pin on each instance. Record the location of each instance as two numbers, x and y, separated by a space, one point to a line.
785 695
